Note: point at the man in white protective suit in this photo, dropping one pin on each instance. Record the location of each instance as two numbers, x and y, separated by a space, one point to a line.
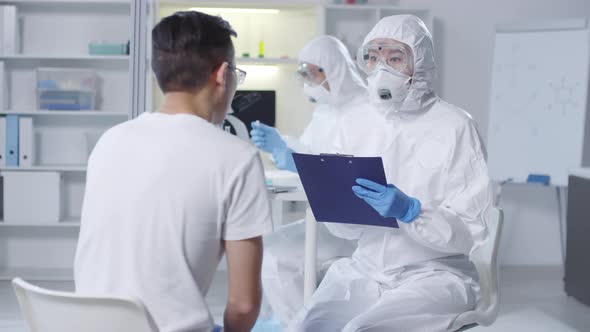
416 277
331 80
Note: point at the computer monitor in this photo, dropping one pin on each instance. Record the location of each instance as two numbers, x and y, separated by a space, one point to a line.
253 105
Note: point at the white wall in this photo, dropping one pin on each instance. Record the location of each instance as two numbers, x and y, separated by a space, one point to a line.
464 41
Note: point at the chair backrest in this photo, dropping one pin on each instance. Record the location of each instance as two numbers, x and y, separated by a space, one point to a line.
485 259
46 310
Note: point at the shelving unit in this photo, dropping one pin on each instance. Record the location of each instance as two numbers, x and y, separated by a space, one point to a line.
56 33
68 113
70 2
65 223
52 168
123 58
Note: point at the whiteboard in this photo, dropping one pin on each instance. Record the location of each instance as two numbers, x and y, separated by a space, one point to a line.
538 100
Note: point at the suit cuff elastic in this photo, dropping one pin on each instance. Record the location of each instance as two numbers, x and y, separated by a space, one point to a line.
413 211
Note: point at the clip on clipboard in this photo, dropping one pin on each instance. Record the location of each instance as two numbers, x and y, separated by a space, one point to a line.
328 181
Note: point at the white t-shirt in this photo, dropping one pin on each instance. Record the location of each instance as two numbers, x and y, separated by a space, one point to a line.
162 192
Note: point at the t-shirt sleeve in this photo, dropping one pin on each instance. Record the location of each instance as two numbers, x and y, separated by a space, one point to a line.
248 209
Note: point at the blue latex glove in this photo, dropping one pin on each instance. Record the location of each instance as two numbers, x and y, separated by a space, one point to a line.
267 325
267 138
284 159
388 200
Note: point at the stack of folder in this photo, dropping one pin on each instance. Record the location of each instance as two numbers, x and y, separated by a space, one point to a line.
17 147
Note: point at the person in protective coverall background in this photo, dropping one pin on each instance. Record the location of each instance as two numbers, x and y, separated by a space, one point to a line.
417 277
331 80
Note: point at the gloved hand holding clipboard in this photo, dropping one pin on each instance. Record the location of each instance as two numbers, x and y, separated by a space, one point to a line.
328 182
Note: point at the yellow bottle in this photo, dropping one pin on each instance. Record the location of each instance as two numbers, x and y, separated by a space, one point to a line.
261 49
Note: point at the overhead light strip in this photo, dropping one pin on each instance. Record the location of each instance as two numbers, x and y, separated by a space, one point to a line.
236 10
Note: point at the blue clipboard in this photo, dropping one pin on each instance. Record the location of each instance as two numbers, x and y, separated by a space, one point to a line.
328 181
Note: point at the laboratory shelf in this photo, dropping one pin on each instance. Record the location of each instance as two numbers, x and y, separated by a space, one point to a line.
62 139
67 113
61 224
68 2
26 57
267 61
51 168
37 274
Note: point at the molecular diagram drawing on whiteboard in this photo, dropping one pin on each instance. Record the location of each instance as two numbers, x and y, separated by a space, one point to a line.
538 103
533 82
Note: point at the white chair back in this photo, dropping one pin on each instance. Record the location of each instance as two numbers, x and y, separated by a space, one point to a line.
49 311
485 259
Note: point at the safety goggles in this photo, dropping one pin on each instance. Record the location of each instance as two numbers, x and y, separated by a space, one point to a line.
391 56
310 74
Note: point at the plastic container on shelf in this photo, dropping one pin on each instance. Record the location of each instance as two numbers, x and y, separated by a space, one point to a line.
107 48
66 89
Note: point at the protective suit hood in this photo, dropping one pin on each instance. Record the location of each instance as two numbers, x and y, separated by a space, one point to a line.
411 31
331 55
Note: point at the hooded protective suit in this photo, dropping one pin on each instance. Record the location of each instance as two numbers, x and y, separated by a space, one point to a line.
347 91
282 270
416 277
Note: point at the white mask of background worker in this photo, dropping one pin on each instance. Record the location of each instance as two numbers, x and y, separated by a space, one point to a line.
316 94
315 83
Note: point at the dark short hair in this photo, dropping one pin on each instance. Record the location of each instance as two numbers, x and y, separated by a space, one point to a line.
187 47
